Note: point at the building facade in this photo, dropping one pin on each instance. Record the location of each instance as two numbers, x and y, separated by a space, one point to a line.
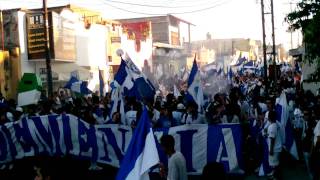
170 39
81 44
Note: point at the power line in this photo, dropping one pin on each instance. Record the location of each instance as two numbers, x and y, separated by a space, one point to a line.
186 12
159 6
126 10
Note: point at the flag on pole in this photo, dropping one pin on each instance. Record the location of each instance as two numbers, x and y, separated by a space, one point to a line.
195 86
144 89
141 154
230 75
282 111
77 86
265 168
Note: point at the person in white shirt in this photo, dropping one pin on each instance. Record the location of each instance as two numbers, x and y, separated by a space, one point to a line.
177 169
192 116
131 118
274 142
177 114
316 151
154 114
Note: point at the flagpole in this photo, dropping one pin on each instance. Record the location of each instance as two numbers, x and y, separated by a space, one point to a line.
47 51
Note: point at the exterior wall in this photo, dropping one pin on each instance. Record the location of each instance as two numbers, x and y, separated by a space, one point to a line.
160 31
4 60
9 72
138 57
159 27
113 44
91 45
308 69
91 53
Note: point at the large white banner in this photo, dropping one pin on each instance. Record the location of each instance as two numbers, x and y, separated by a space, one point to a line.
66 134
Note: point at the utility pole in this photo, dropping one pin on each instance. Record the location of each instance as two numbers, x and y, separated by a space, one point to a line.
2 30
265 66
47 51
273 44
291 37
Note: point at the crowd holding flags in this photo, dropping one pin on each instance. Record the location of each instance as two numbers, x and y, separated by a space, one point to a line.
195 89
142 153
282 110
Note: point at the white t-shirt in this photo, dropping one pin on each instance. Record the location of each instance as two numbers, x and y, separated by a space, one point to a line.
187 119
316 132
156 116
177 168
266 118
130 117
274 132
177 116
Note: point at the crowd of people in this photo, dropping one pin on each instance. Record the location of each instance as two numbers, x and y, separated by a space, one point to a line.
247 103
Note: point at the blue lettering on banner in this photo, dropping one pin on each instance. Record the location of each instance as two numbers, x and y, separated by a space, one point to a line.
67 132
112 141
87 141
3 147
123 135
24 139
43 135
186 147
59 135
222 146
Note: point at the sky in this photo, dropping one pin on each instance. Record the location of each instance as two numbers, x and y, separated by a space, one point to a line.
221 18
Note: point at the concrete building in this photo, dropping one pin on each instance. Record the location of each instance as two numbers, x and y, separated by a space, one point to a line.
170 42
81 43
298 55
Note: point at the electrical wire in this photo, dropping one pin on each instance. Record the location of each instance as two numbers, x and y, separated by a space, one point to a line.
160 6
143 13
185 12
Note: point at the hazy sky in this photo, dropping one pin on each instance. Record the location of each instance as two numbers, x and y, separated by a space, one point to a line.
227 18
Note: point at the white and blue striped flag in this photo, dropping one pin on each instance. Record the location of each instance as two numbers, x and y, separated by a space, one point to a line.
195 86
77 86
282 111
141 154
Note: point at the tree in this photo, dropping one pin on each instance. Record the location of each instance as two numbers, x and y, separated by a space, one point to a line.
306 18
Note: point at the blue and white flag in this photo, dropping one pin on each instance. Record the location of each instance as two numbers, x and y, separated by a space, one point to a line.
141 154
72 80
282 111
265 168
142 86
123 78
77 86
132 81
195 86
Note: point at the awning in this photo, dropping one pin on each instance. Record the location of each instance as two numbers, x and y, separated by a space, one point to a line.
164 45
